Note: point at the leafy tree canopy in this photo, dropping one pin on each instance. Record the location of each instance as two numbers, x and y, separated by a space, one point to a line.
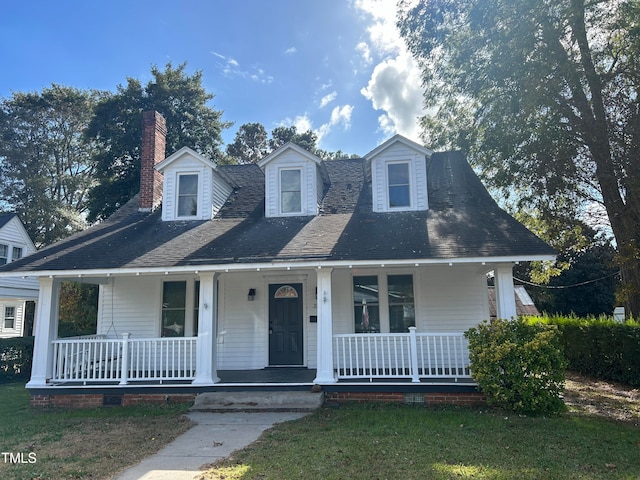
252 143
181 99
543 97
46 166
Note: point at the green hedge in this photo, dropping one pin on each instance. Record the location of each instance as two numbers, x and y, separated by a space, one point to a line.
600 347
16 355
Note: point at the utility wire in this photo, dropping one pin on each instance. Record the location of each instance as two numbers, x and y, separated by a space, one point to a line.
560 287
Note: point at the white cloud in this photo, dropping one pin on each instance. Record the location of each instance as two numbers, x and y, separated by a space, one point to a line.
339 116
395 85
395 88
230 67
290 51
383 33
365 52
327 99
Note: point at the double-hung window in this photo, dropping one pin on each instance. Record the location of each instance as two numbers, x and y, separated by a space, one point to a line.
187 195
290 191
9 317
4 254
399 184
180 308
402 312
16 253
366 304
383 303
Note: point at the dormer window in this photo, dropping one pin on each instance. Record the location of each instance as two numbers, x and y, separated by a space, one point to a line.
399 182
290 191
187 195
398 170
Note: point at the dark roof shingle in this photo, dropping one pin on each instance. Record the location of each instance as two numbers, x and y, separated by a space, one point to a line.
463 221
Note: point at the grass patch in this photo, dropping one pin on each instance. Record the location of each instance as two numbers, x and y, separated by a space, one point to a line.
92 444
412 442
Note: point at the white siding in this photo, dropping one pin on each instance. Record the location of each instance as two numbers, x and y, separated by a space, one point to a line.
213 191
451 299
309 183
417 172
130 305
13 234
447 299
16 331
243 326
220 192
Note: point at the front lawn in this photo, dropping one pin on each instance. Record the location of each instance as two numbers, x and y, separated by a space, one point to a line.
413 442
60 444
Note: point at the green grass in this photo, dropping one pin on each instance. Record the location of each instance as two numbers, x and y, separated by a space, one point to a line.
402 442
80 443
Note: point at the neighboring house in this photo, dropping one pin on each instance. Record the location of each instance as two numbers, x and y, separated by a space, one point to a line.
357 275
524 303
15 292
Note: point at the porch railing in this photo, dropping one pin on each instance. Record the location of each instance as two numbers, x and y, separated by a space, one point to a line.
401 355
123 359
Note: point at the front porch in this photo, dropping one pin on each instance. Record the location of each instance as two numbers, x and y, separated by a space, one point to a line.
359 358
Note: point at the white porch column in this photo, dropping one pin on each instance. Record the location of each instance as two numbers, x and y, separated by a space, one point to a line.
505 296
45 332
325 373
206 373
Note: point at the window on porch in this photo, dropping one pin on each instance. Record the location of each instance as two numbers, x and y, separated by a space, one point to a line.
179 315
402 311
366 305
383 304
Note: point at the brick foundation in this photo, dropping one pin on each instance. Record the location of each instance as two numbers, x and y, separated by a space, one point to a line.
97 400
466 398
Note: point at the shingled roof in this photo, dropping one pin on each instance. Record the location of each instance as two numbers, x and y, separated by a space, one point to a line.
5 217
463 222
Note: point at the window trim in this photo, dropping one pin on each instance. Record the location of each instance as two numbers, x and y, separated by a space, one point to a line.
191 308
383 297
12 317
198 195
410 185
4 257
300 170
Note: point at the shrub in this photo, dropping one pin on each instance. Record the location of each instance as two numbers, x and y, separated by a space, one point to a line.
600 347
519 366
16 355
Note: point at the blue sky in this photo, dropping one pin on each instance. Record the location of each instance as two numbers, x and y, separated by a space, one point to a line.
335 66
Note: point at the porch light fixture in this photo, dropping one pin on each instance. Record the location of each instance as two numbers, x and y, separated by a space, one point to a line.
251 296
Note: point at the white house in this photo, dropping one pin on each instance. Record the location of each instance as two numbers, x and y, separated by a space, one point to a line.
14 292
356 275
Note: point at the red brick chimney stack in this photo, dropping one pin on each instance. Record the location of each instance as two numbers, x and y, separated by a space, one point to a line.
154 131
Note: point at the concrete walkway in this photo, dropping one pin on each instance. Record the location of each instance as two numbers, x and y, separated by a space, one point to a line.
215 436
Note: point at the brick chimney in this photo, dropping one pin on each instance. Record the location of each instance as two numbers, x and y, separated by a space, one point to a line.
154 131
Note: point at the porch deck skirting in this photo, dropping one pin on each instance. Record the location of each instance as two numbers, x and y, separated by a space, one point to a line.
404 357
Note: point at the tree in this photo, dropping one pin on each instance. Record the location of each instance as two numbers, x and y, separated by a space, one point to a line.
46 166
282 135
543 97
117 127
250 143
584 278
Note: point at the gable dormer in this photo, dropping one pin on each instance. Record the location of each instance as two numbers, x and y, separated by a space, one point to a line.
193 187
398 170
293 182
